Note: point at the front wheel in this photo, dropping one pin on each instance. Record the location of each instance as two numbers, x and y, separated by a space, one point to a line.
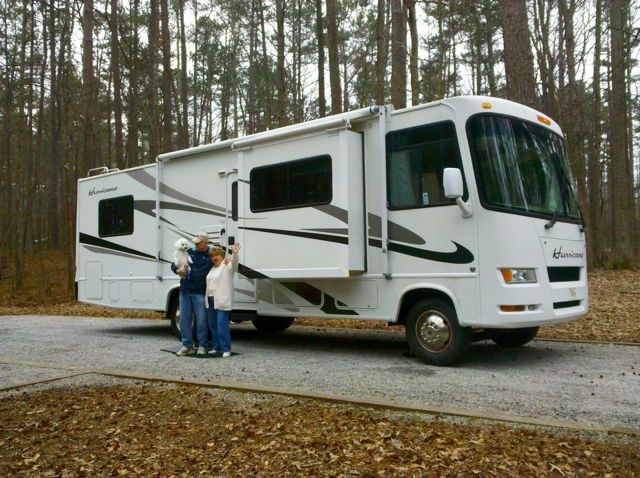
433 333
513 337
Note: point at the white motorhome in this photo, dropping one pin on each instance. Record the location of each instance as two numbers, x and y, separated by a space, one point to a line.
456 219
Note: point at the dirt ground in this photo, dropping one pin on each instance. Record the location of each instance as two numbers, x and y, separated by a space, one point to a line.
135 428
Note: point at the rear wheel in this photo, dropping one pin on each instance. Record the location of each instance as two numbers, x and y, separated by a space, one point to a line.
173 314
433 332
272 324
513 337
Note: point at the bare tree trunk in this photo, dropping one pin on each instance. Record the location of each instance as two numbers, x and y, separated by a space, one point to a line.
134 104
490 65
547 60
440 84
398 54
296 73
573 113
154 121
621 170
334 60
322 100
280 43
196 115
413 57
17 171
518 59
70 148
183 133
167 79
229 79
117 87
264 61
381 52
33 159
6 83
251 107
41 171
89 94
252 110
55 64
594 230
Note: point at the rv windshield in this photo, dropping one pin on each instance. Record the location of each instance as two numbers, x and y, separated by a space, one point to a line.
522 168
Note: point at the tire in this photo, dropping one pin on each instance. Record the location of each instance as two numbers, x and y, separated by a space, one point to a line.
434 334
513 337
272 324
173 314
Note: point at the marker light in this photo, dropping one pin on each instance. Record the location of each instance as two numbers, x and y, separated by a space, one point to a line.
544 120
518 276
512 308
486 105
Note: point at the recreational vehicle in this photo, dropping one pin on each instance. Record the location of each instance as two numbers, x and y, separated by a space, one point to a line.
456 219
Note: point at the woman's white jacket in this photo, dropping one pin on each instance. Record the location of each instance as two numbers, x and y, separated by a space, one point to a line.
220 284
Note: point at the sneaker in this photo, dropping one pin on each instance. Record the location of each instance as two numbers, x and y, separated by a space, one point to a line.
201 351
185 351
226 354
213 352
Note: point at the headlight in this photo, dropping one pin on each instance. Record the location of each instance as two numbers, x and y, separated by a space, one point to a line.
519 276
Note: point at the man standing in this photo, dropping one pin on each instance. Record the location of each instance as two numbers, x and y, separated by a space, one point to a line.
193 285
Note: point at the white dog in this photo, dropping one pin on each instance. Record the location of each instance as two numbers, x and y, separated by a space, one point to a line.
180 256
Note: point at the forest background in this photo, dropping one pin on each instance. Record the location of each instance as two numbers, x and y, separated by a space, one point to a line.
86 84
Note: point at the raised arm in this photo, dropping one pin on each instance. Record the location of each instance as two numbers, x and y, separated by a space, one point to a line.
234 256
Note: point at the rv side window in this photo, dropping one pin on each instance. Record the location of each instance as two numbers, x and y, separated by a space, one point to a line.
115 216
299 183
416 158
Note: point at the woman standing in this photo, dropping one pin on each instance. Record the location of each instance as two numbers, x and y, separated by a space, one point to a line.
219 300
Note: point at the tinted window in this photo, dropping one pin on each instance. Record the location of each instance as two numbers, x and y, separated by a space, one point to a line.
115 216
299 183
416 158
521 167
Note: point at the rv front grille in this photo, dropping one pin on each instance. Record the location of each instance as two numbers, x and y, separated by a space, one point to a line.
563 274
566 304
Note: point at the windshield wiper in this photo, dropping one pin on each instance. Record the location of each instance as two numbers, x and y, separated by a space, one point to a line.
565 192
583 223
553 220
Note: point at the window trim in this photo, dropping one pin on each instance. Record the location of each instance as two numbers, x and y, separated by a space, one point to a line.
131 212
458 165
489 206
287 164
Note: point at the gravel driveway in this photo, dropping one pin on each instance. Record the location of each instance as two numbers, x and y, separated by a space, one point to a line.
588 385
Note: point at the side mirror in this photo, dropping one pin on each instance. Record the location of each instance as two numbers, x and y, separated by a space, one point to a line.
452 182
454 189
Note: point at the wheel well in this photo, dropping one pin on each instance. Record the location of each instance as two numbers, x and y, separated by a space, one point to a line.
413 296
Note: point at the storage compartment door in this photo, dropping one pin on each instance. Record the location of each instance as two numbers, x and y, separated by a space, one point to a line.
303 204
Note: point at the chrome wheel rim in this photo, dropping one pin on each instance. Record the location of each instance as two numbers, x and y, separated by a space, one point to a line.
433 331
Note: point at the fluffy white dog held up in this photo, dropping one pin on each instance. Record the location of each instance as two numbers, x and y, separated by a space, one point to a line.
180 256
